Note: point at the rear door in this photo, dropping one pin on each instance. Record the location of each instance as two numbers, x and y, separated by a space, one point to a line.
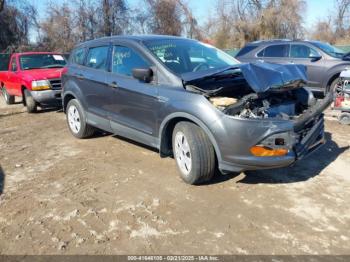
135 103
306 55
92 79
276 53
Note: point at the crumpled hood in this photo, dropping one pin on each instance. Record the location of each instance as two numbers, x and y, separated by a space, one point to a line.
41 74
261 77
274 77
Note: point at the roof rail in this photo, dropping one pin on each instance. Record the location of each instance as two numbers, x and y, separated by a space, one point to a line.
271 40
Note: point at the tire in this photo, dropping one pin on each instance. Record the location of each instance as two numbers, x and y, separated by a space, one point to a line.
76 120
196 160
10 100
344 118
333 86
30 103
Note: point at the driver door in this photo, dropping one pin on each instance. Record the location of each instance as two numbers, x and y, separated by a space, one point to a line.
135 107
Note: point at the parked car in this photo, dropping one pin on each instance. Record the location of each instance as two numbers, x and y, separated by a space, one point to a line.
34 76
194 102
324 62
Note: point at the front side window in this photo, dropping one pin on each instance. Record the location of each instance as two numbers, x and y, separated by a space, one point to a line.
184 56
14 65
78 56
302 51
275 51
41 61
97 57
125 60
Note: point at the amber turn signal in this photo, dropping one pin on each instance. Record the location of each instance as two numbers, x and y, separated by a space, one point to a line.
266 151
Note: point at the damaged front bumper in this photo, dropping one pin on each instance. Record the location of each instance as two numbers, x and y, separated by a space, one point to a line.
236 136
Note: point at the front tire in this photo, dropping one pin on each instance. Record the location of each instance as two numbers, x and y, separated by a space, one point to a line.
193 152
10 100
31 104
334 85
76 120
344 118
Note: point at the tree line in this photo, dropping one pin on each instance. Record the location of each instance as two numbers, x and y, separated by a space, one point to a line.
231 23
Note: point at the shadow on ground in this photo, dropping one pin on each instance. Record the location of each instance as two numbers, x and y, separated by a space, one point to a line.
302 170
2 180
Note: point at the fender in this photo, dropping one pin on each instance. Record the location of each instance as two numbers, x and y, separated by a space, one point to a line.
71 88
332 72
195 120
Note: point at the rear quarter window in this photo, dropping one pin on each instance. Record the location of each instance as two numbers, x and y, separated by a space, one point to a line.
245 50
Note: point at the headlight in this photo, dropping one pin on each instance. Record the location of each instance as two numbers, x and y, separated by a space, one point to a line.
275 145
41 85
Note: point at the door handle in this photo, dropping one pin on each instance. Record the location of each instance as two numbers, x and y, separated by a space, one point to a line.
113 85
261 60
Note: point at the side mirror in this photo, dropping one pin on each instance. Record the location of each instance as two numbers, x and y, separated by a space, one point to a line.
143 74
315 58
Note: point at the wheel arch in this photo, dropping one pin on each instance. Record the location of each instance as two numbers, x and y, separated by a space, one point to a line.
67 97
331 79
166 132
23 87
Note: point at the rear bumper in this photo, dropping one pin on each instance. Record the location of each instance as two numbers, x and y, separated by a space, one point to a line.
47 96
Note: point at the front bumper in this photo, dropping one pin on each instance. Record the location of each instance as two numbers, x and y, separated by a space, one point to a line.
47 96
237 136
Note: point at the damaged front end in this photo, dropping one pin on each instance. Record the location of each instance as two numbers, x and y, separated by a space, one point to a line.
258 90
271 93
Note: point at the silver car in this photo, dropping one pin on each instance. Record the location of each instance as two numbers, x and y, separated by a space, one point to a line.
193 102
324 62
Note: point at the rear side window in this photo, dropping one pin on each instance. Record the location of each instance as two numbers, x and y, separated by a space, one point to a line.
275 51
77 56
125 60
302 51
246 50
97 57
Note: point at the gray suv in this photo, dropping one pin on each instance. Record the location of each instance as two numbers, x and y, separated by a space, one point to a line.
193 102
324 62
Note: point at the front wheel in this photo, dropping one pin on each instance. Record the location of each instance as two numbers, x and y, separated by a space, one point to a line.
344 118
8 98
193 152
336 83
31 104
77 121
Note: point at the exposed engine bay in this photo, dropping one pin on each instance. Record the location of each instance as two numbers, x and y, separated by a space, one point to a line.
257 91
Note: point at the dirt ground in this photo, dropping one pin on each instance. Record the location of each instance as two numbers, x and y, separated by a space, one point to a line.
105 195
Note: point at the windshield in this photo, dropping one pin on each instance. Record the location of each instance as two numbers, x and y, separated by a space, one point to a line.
184 56
330 50
41 61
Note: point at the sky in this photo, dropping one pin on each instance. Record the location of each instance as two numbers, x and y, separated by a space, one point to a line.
316 9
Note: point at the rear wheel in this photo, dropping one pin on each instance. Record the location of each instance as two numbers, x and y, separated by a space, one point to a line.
8 98
193 152
31 104
76 120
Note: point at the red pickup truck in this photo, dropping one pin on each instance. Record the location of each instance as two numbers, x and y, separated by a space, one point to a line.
35 76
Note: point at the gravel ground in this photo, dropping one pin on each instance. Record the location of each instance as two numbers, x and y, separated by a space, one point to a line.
106 195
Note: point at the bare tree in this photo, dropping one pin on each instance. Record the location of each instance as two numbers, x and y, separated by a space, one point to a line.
165 17
2 3
342 9
15 20
115 17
